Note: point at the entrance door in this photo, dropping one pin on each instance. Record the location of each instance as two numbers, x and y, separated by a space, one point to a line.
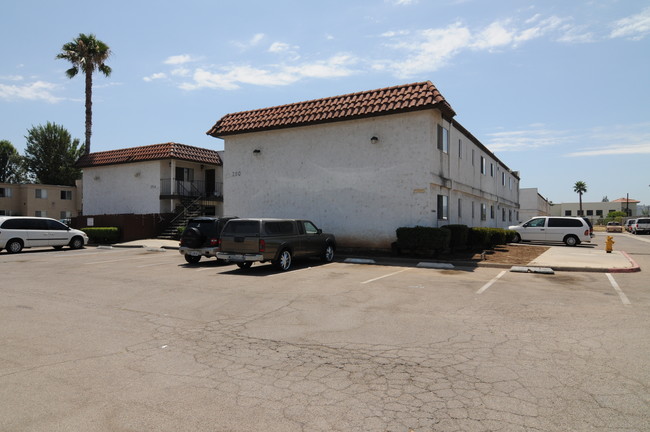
209 182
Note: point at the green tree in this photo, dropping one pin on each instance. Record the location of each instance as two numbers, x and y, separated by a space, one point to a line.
11 164
87 54
580 187
51 153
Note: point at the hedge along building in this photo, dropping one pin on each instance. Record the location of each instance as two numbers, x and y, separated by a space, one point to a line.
362 165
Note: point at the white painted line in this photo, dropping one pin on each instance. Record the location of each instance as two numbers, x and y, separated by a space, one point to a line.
489 284
618 289
121 259
385 276
152 265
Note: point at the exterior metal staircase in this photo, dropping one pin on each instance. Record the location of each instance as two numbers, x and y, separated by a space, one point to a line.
189 208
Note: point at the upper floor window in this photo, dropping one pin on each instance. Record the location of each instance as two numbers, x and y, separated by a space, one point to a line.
503 178
443 207
41 193
66 195
443 139
491 169
483 168
460 149
5 192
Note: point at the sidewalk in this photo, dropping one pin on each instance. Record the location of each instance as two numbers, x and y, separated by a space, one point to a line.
560 258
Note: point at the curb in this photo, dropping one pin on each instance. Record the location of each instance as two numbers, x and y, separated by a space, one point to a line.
635 267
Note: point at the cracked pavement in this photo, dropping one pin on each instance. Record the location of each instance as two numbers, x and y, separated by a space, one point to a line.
147 343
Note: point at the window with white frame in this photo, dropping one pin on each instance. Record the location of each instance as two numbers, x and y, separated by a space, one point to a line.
40 213
443 139
491 169
66 195
41 193
483 211
443 207
503 178
5 192
66 215
483 168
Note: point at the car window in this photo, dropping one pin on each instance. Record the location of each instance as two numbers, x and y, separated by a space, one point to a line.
56 225
310 228
279 228
564 223
535 223
643 221
242 227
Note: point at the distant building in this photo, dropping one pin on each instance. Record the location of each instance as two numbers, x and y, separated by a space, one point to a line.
532 204
596 210
57 202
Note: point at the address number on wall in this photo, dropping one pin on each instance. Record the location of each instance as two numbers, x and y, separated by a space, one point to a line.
236 173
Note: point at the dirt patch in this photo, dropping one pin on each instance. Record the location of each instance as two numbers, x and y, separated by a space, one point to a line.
506 254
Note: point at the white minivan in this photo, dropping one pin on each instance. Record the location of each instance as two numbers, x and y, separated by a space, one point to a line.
18 232
570 230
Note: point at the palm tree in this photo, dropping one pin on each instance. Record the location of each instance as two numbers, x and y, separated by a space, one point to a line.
580 187
87 54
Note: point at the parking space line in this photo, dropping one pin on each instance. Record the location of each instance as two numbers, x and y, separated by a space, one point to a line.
489 284
618 289
118 260
385 276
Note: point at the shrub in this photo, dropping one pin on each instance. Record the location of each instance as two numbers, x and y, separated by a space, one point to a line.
105 235
488 238
459 236
423 240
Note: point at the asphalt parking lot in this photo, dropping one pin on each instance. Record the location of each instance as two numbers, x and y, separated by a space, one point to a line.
135 339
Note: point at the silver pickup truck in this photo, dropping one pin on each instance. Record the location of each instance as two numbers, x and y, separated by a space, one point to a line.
245 241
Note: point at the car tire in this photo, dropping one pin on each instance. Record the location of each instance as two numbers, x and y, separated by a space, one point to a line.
76 243
57 247
328 253
14 246
192 259
516 238
571 240
283 262
193 238
244 265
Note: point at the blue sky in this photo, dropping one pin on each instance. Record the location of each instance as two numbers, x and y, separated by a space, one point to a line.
559 90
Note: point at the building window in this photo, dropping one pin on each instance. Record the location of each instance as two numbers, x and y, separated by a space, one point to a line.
483 212
491 212
491 169
503 214
443 207
443 139
483 171
590 212
66 195
503 179
510 215
41 193
40 213
473 157
5 192
567 212
599 213
510 183
460 206
473 213
66 215
460 149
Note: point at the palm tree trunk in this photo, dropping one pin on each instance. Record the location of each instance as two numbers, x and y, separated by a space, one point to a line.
89 108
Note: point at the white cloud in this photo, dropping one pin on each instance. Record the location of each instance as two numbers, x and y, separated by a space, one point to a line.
522 140
155 76
233 77
179 59
38 90
494 35
635 27
614 150
278 47
12 77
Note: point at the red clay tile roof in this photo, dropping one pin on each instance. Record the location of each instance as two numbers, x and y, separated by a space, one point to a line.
148 153
622 200
391 100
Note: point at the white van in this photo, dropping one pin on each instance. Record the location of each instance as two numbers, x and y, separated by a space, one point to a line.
18 232
570 230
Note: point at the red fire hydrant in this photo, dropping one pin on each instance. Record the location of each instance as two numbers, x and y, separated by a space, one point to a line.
609 244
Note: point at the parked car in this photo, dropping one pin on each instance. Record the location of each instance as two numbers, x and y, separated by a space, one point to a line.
591 226
245 241
641 226
614 227
628 224
19 232
570 230
201 238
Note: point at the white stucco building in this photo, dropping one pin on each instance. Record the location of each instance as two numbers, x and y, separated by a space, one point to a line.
362 165
152 179
531 204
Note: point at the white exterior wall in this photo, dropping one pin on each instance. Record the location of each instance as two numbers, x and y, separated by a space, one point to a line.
122 189
361 192
532 204
592 210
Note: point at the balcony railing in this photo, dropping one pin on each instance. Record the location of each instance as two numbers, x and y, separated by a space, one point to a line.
171 188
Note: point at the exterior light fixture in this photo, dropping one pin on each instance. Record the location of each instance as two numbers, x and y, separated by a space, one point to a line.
374 140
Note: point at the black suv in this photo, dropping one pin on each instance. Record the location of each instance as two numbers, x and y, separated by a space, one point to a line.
201 238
